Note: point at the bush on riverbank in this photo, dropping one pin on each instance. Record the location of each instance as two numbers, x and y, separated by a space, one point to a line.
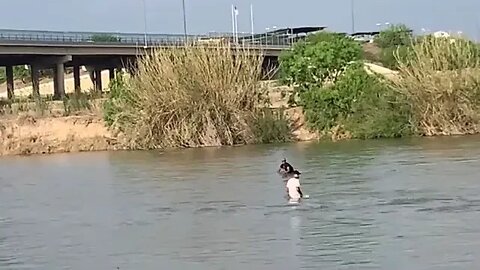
442 83
317 61
337 94
193 96
394 42
360 105
271 126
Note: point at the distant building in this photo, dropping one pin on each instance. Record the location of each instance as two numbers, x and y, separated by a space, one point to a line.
441 34
365 36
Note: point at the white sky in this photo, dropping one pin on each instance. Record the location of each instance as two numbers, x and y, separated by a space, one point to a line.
165 16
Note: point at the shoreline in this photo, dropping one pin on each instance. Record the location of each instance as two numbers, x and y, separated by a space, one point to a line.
26 133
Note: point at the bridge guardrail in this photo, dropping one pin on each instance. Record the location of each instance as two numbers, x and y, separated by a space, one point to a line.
267 40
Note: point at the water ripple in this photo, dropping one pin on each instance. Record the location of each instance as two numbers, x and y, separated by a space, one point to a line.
373 204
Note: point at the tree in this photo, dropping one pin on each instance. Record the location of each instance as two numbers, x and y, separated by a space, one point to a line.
395 41
395 35
318 59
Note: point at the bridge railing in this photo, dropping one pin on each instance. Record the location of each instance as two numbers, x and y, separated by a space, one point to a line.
109 38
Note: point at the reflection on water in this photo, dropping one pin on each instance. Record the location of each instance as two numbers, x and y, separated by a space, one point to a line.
386 204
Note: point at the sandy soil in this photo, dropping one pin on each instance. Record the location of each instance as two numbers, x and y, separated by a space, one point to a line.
29 135
373 68
26 135
279 99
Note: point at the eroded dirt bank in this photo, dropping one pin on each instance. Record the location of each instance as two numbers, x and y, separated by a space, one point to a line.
29 135
26 135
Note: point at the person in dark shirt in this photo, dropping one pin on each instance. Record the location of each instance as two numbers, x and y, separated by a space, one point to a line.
285 167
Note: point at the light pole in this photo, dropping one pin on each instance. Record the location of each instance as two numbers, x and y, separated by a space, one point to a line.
145 21
266 35
251 22
352 6
184 21
274 28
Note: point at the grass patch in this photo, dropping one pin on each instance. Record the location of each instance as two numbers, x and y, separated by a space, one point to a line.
441 80
76 102
272 126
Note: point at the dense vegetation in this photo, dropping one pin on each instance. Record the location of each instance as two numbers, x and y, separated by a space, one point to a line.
441 79
202 96
436 91
396 41
194 96
338 95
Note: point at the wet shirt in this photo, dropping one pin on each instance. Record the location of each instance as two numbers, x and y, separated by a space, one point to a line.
292 185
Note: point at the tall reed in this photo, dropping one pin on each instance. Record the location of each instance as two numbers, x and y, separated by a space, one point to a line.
441 79
191 96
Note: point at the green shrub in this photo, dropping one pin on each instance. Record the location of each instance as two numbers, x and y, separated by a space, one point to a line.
395 35
318 60
271 126
390 56
361 103
118 94
396 41
76 102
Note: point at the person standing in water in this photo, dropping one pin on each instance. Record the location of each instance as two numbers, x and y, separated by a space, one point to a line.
293 187
285 167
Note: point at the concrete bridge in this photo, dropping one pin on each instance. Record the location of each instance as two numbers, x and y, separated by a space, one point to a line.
100 51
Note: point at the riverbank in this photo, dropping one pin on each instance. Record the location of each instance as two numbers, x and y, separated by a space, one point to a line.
30 135
29 132
428 85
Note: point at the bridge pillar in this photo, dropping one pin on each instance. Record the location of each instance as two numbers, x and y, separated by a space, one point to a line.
98 80
91 73
76 79
59 81
270 67
111 73
35 81
10 84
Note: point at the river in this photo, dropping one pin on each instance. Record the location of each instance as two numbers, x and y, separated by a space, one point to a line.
381 204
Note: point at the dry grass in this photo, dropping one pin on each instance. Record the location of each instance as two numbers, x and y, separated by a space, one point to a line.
192 96
441 78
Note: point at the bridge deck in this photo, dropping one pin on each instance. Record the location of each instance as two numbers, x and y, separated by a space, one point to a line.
19 47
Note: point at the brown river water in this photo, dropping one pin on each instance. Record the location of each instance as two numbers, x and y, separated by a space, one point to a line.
381 204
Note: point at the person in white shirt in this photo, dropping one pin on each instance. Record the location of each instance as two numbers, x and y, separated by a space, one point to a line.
293 187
